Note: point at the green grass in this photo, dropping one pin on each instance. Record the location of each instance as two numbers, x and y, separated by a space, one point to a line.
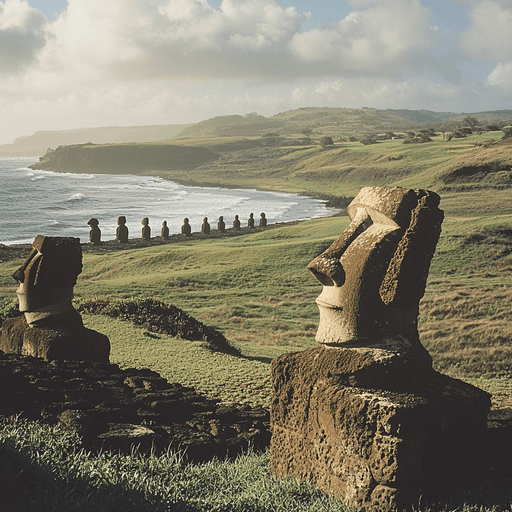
257 291
41 472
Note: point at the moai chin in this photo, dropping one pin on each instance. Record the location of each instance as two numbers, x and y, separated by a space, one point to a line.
364 416
50 327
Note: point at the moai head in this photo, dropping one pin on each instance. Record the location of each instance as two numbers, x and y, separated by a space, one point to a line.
221 218
262 215
47 277
145 221
121 221
205 220
185 220
375 273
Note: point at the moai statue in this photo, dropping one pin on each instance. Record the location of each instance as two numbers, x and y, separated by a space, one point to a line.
165 230
122 230
186 229
146 230
50 327
95 233
263 220
221 225
236 223
250 222
364 416
205 228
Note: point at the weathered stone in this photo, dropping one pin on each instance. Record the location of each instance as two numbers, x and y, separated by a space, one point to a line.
121 410
186 229
236 223
50 327
365 416
221 225
95 233
165 231
376 427
146 230
250 222
375 273
263 220
122 230
205 227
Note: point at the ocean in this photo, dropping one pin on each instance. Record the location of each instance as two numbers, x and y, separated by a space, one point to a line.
60 204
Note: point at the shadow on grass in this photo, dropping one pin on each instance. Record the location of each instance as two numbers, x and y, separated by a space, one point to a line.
29 487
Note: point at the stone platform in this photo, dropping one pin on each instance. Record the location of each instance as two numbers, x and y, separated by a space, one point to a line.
375 427
118 409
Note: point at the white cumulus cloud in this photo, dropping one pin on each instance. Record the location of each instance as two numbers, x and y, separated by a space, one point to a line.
22 35
490 33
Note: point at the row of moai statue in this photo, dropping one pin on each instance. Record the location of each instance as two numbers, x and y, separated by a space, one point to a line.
186 228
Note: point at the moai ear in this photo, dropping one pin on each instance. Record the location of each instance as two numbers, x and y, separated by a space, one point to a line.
406 276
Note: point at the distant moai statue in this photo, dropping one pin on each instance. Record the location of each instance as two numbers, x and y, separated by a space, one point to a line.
221 225
263 220
146 230
250 222
50 327
165 230
236 223
186 229
122 230
205 228
95 233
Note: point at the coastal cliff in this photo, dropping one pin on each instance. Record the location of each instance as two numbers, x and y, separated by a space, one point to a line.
124 158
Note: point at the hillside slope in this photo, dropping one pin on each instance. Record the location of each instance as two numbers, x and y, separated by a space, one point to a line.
39 142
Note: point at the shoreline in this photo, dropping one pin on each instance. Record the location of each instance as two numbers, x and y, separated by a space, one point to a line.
20 251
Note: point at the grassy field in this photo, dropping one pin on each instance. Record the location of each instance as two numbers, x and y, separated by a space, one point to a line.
257 291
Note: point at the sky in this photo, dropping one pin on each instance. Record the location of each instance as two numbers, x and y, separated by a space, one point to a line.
67 64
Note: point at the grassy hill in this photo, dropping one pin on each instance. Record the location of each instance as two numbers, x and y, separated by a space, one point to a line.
37 143
256 289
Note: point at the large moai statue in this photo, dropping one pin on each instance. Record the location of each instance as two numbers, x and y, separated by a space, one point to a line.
146 230
250 222
50 327
122 230
236 223
263 220
364 416
95 233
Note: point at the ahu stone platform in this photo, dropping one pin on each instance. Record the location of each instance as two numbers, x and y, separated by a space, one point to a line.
116 409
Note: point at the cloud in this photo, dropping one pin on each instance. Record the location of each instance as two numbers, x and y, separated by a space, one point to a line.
249 40
490 34
22 35
501 76
379 39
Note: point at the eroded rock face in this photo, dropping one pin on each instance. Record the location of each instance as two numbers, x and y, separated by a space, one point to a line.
50 327
376 427
364 416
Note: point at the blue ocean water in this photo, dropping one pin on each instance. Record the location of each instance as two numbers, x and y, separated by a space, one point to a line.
60 204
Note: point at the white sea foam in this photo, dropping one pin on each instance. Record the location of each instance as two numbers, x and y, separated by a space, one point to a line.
27 198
